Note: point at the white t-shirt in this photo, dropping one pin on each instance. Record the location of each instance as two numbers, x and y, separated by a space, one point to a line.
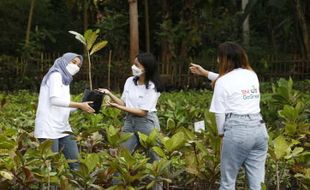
51 121
236 92
137 96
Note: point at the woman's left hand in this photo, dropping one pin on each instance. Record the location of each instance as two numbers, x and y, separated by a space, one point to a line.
113 104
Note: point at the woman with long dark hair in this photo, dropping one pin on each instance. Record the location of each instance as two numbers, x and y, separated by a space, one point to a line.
139 99
235 102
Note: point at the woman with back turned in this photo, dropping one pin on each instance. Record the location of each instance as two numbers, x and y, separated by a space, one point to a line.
235 102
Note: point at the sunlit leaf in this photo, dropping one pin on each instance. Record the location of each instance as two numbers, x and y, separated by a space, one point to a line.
79 37
98 46
7 175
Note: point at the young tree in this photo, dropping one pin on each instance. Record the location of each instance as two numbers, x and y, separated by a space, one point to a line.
88 39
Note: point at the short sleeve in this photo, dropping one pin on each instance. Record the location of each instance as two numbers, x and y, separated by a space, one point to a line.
218 98
212 76
123 97
55 84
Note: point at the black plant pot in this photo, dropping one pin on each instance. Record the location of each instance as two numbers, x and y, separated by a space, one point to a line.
94 96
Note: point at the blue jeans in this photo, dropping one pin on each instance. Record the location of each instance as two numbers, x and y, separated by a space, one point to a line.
69 147
245 144
145 125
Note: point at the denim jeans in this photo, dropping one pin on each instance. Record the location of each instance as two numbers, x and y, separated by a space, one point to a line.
245 144
145 125
69 148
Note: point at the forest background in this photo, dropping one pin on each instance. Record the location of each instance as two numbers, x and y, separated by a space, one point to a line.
34 32
275 33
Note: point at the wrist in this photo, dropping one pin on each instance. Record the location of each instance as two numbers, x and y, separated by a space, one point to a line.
206 73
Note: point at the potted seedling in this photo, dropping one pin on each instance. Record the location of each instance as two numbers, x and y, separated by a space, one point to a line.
89 40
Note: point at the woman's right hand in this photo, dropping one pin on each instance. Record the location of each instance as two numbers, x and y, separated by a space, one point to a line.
86 107
198 70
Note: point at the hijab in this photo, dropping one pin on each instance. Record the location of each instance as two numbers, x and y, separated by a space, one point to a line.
60 66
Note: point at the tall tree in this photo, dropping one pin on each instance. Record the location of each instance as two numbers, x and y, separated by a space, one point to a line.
147 25
245 25
85 14
29 22
303 27
134 29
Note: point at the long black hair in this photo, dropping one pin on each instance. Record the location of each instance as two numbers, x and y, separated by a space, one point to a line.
150 70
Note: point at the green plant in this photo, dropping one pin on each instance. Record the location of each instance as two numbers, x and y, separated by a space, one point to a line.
288 135
131 170
88 39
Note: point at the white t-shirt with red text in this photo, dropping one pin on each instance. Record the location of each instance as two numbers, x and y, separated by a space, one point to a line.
236 92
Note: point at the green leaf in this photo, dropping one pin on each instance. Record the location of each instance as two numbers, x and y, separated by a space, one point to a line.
79 37
90 39
280 146
143 139
188 134
7 175
124 137
96 187
290 128
6 143
151 140
175 142
83 171
87 34
170 123
91 161
150 185
159 151
98 46
45 148
295 152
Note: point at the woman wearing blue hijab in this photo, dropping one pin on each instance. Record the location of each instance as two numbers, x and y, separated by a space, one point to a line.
55 105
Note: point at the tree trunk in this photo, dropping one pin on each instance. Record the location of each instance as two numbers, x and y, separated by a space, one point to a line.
134 29
245 26
147 26
165 49
29 22
303 27
85 15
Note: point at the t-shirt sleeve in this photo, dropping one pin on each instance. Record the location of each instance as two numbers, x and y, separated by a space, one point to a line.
212 76
123 97
218 98
55 83
149 100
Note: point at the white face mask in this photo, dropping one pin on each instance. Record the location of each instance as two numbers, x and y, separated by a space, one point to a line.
136 71
72 68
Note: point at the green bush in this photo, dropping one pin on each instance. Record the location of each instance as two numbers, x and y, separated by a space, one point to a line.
188 159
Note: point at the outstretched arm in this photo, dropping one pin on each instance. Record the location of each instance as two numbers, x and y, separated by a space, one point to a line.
198 70
112 96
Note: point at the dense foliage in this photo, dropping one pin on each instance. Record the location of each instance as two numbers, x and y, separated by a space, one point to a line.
188 159
178 29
